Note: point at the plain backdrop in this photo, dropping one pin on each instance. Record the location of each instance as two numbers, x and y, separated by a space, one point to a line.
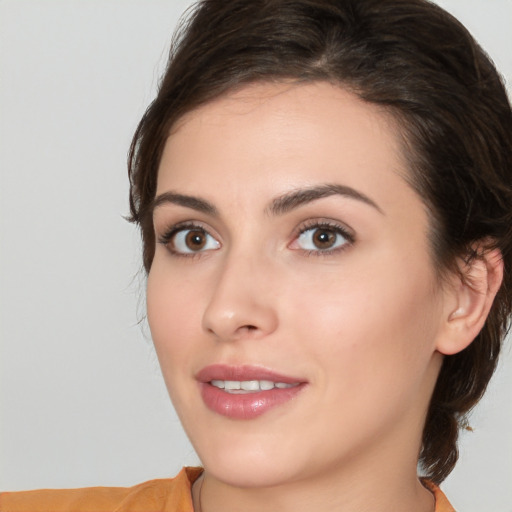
82 401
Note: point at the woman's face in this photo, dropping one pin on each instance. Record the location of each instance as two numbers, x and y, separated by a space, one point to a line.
291 251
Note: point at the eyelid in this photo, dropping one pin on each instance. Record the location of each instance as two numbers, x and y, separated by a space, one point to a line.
169 233
323 222
319 223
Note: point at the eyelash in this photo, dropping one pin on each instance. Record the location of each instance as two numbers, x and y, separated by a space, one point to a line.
166 238
331 226
168 235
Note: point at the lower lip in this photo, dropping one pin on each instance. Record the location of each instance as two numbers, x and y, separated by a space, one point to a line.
246 406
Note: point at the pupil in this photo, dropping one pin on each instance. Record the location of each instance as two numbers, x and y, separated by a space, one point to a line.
324 239
195 240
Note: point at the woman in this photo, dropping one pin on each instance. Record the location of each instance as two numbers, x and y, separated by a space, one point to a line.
324 194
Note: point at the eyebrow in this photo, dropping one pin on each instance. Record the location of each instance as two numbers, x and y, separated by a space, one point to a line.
297 198
195 203
279 206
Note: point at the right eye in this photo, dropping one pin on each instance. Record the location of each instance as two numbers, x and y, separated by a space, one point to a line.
190 240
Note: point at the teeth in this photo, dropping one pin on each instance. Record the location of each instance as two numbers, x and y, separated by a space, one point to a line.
282 385
265 385
250 385
231 384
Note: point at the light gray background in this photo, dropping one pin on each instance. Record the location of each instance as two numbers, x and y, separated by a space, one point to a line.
82 401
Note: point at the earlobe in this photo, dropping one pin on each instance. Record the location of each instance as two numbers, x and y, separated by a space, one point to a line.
470 299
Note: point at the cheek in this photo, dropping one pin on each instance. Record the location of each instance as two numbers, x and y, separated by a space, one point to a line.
379 323
171 316
371 341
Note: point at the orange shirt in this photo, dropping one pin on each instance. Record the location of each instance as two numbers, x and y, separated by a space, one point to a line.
164 495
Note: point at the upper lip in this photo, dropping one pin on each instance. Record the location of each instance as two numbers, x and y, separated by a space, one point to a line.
243 373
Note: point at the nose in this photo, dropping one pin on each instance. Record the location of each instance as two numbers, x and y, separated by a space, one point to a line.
242 304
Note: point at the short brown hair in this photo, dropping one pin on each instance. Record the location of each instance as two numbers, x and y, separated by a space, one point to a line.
422 65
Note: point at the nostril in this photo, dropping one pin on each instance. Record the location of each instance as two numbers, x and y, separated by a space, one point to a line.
247 329
227 320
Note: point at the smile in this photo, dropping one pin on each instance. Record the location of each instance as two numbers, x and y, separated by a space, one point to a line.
249 386
245 392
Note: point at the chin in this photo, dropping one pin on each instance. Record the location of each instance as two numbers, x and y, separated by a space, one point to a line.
246 459
249 470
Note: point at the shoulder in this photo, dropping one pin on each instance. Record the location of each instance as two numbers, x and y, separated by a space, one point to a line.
442 503
162 495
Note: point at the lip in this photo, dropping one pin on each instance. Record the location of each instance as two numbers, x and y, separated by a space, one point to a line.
250 405
245 372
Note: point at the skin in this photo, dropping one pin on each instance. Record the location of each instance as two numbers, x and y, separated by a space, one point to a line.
362 324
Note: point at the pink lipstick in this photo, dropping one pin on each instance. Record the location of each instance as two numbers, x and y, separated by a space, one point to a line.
245 392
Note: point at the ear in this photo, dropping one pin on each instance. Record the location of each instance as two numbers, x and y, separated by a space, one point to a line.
469 298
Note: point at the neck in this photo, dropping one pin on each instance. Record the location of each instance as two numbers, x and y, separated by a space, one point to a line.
380 490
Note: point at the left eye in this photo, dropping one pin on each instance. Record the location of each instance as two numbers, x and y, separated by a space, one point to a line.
321 239
187 241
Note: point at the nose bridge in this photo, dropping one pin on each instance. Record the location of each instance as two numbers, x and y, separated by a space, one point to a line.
241 300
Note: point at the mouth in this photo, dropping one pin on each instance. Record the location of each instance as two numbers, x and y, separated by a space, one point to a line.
249 386
246 392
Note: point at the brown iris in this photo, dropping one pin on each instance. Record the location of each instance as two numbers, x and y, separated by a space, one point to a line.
195 240
324 238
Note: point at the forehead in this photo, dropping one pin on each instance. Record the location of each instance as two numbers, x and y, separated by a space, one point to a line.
289 108
283 134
